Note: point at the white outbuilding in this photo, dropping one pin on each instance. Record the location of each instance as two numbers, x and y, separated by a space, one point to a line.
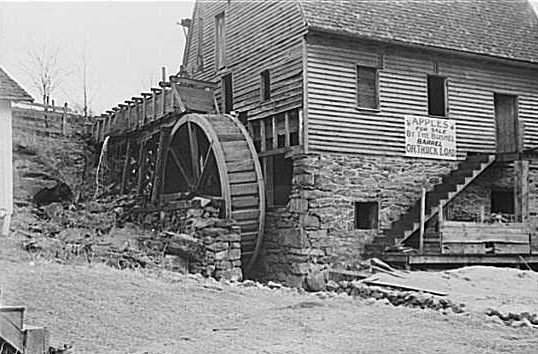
10 91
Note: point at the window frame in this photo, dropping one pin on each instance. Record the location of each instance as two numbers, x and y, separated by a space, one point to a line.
445 95
376 89
220 40
265 85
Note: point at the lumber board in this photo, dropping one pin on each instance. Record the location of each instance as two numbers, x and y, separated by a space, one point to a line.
403 287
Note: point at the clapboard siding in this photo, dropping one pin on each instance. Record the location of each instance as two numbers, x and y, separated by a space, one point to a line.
335 124
259 36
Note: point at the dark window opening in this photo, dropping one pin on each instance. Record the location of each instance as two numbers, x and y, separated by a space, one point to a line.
227 93
367 87
220 41
255 133
281 177
265 79
280 130
268 125
366 215
436 96
502 201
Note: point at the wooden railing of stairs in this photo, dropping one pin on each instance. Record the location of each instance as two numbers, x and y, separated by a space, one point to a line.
17 337
405 230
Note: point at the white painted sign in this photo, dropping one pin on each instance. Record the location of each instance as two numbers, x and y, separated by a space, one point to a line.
431 138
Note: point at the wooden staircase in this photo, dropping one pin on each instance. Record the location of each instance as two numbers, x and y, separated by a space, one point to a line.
405 230
15 337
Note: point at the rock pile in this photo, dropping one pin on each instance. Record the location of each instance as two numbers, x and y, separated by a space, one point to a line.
514 319
126 232
416 299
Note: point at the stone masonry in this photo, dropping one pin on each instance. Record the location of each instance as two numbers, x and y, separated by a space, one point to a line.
317 227
198 239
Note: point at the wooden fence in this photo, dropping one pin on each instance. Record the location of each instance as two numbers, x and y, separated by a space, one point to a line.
49 119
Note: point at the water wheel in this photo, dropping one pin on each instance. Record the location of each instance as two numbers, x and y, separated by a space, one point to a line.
213 156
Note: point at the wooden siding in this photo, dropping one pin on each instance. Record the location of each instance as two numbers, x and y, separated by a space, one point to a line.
259 36
335 124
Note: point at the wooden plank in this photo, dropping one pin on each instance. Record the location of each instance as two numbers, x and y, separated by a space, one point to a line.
487 259
248 214
141 171
422 219
244 189
511 248
242 177
244 202
287 129
464 248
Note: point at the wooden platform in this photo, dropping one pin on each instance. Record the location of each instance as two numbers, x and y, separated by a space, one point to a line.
452 260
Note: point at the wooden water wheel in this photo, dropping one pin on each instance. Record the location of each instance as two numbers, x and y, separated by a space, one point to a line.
213 156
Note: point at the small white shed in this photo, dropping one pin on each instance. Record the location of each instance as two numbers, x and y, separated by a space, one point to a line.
9 91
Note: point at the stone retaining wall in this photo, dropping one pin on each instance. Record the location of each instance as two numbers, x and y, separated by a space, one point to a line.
198 239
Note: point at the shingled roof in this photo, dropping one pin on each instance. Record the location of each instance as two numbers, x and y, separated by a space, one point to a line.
499 28
11 90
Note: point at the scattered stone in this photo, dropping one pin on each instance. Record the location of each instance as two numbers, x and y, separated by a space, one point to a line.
274 285
332 285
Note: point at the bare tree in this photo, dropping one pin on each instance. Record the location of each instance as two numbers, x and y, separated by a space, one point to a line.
44 69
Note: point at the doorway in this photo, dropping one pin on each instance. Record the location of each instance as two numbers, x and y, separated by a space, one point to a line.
506 121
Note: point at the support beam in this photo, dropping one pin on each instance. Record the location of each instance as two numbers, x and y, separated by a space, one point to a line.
160 165
141 166
422 219
126 165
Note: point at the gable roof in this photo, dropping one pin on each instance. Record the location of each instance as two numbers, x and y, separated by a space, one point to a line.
11 90
499 28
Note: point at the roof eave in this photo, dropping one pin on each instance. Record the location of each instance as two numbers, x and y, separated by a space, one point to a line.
440 50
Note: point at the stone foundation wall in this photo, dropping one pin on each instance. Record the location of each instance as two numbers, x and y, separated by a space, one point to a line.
317 228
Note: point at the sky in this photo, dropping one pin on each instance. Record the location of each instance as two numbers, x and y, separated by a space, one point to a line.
126 44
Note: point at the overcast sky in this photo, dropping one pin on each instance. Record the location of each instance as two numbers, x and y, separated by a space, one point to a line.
126 43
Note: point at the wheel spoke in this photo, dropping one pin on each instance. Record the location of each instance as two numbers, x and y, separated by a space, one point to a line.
181 169
205 169
193 141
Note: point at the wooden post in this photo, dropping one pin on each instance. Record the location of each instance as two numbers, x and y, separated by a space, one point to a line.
521 190
440 224
422 219
141 166
482 213
275 133
126 165
64 117
164 141
163 105
262 136
287 129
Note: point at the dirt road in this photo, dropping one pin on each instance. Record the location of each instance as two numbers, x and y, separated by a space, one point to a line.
104 310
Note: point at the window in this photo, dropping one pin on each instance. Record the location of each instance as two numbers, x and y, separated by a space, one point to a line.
436 96
220 41
366 215
200 44
367 87
227 93
502 201
265 85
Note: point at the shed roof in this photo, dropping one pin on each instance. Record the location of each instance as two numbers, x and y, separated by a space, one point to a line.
11 90
499 28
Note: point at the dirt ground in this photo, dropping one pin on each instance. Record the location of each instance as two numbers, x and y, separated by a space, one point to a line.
98 309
